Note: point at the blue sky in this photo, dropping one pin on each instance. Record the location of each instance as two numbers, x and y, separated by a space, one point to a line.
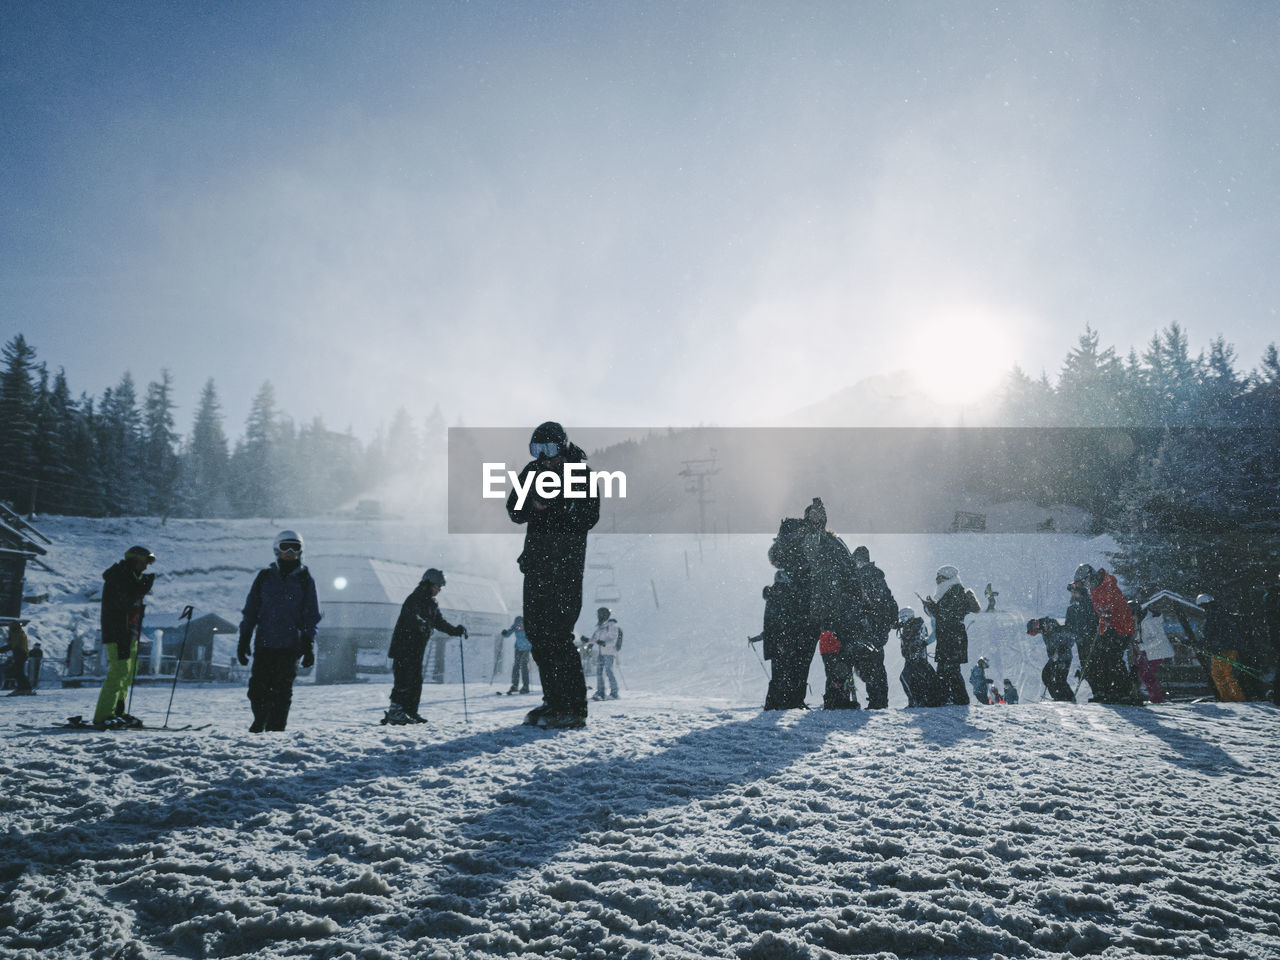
626 213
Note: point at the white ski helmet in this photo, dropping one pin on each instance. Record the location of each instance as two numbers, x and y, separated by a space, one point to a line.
286 536
905 614
1203 599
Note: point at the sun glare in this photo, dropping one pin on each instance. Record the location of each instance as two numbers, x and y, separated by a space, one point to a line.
964 357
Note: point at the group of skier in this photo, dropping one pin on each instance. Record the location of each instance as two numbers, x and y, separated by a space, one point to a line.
834 601
824 598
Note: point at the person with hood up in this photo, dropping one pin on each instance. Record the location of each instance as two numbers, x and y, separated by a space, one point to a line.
875 614
553 562
124 584
1010 692
607 639
1223 638
831 605
788 642
950 604
520 656
1115 633
283 611
419 615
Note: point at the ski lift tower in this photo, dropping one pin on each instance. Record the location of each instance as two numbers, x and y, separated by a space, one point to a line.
697 472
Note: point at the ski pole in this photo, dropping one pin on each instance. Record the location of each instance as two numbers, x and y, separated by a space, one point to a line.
182 651
462 657
751 642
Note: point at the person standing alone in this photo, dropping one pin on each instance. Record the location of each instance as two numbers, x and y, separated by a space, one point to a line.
419 615
283 610
607 638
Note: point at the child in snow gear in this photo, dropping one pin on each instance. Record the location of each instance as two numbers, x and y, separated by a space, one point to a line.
950 604
607 640
979 681
124 584
1057 649
788 644
419 615
1224 640
1010 692
918 679
875 613
520 659
283 610
553 562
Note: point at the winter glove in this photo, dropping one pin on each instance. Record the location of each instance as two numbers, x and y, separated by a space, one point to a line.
147 580
464 633
308 658
242 654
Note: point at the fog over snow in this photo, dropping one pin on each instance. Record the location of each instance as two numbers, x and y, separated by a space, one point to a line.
682 822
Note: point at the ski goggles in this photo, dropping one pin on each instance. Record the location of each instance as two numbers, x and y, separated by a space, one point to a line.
290 546
543 451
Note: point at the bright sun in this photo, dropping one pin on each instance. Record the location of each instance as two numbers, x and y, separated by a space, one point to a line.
964 356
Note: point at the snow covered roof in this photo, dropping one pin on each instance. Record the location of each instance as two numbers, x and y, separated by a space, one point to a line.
1166 601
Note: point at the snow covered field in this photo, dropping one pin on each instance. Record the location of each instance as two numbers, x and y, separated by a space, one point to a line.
671 827
683 822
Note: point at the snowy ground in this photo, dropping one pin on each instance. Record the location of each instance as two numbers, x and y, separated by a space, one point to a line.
682 822
671 827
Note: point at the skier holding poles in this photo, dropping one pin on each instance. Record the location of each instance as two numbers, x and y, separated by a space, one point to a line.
419 615
124 586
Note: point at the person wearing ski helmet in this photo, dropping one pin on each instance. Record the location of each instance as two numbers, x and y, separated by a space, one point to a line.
828 566
124 584
279 619
1224 640
419 615
520 657
607 640
950 604
1110 679
1081 625
553 562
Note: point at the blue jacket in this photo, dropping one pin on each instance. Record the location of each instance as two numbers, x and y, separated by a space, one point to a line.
284 610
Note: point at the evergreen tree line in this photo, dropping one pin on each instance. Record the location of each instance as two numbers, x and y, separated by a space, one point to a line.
121 455
1180 461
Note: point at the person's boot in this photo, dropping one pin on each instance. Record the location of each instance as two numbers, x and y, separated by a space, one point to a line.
534 716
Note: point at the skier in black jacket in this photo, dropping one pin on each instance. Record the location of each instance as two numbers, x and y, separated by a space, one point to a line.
553 561
124 585
419 615
788 644
875 614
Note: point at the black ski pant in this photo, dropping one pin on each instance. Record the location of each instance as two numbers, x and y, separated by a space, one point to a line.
839 693
791 661
867 658
1054 676
406 676
920 684
271 686
1109 678
953 687
552 602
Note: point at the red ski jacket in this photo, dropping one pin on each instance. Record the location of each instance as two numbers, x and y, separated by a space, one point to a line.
1112 608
